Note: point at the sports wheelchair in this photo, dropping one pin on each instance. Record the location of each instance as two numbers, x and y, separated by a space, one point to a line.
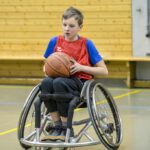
103 118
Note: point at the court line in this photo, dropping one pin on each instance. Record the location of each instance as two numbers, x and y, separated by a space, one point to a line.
115 97
8 131
118 97
12 130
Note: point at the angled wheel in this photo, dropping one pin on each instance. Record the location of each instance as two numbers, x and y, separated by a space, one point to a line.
104 115
26 120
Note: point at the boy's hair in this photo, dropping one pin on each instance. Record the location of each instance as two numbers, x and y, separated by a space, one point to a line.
73 12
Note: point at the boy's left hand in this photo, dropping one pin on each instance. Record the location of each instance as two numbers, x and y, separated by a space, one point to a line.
76 67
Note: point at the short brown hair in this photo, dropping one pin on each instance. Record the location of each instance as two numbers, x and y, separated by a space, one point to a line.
73 12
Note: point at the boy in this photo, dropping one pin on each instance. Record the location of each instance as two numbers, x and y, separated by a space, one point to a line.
87 62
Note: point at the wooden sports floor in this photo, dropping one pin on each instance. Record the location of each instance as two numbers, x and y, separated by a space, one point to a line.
133 104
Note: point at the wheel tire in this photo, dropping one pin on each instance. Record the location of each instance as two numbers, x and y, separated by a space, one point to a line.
93 114
24 114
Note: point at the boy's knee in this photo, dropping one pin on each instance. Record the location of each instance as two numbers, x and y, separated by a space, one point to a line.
58 80
58 83
46 81
46 84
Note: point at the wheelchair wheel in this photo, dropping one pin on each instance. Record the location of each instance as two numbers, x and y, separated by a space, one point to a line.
26 120
104 115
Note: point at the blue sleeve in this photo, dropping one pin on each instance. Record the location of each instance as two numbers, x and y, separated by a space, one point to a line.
50 47
95 57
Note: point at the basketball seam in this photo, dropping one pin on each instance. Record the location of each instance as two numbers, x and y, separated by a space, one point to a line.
63 63
55 69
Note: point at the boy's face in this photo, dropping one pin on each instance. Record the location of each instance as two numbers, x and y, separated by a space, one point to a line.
71 28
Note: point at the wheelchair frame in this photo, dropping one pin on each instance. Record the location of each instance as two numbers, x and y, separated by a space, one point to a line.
98 120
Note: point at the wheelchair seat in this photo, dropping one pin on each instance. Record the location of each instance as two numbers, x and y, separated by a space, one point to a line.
102 112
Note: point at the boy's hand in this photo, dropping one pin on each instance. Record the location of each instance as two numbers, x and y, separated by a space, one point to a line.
76 67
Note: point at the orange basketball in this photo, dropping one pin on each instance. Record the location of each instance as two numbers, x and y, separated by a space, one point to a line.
58 65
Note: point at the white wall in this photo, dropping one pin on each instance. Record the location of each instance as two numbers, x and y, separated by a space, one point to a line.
141 43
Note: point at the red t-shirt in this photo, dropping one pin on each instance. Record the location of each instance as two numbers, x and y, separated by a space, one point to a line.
77 50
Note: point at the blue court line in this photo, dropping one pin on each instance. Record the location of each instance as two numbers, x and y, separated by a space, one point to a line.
115 97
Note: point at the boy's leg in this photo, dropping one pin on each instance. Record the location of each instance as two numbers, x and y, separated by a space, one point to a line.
64 85
46 88
61 85
54 131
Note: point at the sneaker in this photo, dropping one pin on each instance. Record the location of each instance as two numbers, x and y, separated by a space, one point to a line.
49 127
55 133
53 130
62 136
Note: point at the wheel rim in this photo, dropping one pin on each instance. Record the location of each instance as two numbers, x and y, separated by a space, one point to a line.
104 114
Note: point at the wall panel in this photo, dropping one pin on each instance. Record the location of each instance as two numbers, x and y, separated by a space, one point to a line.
27 25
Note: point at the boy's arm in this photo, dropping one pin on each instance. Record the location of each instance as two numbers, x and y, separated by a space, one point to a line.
98 69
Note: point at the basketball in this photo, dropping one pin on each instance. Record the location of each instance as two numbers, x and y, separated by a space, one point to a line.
58 65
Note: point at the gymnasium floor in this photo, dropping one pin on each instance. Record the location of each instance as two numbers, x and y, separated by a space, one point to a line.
133 104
